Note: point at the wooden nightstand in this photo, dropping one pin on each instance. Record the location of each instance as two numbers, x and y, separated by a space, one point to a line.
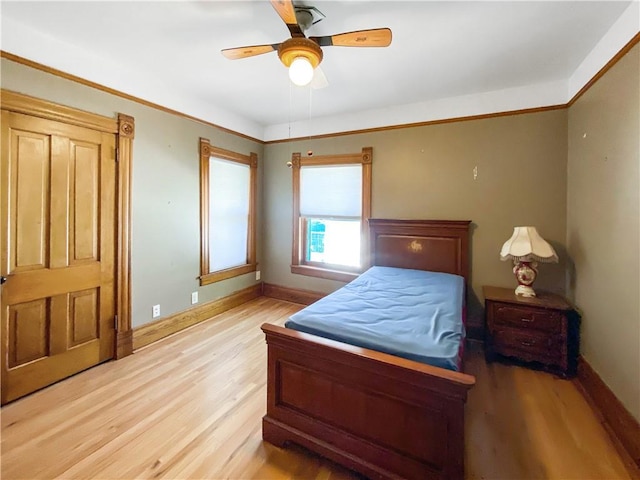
542 330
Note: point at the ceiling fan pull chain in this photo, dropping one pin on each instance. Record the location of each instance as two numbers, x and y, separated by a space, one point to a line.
310 151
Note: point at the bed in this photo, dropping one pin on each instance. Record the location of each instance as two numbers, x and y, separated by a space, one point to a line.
380 414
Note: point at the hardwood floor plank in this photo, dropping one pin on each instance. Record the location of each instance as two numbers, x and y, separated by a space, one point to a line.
190 406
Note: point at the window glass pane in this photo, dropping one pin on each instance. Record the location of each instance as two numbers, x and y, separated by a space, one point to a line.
228 213
335 242
331 191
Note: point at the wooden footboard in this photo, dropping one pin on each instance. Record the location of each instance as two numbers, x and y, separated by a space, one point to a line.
378 414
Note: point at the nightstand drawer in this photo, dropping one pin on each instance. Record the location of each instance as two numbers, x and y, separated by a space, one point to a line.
527 345
530 318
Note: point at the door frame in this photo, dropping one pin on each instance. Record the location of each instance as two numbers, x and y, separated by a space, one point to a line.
124 128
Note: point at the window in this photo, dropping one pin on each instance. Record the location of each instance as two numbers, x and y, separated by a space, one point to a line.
331 204
227 213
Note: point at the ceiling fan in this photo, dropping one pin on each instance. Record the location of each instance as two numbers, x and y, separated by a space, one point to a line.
301 54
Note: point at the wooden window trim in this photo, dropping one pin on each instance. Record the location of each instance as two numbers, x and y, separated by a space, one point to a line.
298 264
213 277
207 151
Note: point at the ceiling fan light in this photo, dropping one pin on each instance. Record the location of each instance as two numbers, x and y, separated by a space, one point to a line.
301 71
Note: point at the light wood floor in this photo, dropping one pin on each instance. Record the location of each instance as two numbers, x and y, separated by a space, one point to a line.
190 406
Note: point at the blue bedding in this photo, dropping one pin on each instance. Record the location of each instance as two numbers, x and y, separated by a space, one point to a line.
409 313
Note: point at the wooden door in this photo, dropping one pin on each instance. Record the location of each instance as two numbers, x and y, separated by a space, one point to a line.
58 241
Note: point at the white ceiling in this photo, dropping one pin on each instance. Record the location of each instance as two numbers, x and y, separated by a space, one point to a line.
447 59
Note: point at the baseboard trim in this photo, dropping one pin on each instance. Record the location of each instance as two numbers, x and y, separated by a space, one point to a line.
294 295
154 331
621 425
124 344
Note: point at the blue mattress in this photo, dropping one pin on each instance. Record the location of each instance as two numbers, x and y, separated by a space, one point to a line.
409 313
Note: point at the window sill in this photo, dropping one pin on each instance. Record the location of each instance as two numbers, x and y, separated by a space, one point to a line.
324 273
228 273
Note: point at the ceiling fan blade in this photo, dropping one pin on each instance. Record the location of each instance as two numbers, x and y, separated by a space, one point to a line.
288 15
377 37
249 51
285 10
319 79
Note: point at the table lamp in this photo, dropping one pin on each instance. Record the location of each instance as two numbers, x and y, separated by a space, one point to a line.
526 247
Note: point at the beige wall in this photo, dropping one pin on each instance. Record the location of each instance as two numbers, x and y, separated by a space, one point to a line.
165 256
603 214
427 173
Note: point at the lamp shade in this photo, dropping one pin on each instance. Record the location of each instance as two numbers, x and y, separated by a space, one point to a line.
526 245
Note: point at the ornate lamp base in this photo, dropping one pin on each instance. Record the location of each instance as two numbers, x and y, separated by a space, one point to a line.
525 273
525 291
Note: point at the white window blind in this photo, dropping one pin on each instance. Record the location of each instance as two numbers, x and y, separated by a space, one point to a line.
228 213
332 191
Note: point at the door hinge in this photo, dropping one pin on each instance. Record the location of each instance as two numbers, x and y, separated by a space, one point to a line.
115 322
117 153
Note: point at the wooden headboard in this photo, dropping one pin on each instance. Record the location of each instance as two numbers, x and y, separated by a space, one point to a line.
435 245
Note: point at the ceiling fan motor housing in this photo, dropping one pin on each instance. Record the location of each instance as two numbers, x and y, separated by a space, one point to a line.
292 48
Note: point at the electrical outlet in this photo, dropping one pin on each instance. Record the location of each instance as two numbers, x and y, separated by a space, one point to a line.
156 311
257 274
194 298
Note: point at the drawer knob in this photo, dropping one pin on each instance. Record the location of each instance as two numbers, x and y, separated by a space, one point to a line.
528 343
528 320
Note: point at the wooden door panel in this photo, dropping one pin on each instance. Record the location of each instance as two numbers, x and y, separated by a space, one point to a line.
59 302
84 197
29 199
29 286
34 375
43 126
59 213
107 246
83 318
28 332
